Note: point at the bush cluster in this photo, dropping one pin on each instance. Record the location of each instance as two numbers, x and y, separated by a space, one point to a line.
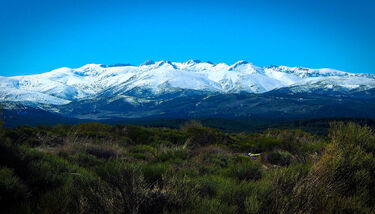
98 168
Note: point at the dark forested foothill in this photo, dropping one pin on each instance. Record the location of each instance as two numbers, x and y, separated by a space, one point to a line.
99 168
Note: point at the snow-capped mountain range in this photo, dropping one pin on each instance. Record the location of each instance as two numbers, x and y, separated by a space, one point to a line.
64 85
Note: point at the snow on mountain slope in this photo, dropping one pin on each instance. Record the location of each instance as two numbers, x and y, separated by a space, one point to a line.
24 96
330 82
63 85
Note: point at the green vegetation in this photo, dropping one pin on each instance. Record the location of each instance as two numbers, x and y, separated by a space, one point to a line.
98 168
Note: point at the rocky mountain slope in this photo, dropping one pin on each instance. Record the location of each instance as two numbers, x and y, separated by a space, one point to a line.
191 89
153 79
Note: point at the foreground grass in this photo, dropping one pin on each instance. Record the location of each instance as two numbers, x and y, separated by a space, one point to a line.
97 168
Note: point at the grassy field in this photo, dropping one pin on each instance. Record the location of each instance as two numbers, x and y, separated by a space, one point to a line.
100 168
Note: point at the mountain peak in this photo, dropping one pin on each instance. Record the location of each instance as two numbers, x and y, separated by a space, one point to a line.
244 66
148 62
191 61
166 62
91 65
115 65
94 79
241 62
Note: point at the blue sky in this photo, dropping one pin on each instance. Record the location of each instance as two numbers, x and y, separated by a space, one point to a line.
40 35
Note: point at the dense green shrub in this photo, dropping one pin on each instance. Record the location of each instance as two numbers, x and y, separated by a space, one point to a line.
96 168
124 141
142 152
261 197
245 170
83 159
284 181
343 180
173 155
12 190
279 158
256 145
211 162
128 180
211 206
142 149
93 129
207 186
234 193
139 134
153 173
162 143
201 136
170 135
101 151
